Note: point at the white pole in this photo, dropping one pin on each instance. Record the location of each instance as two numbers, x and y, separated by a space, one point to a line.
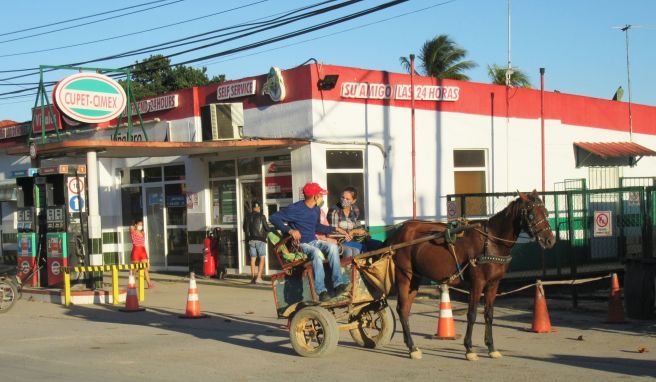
628 76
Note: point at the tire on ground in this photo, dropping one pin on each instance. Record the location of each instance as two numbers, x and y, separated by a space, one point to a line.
314 332
8 295
380 334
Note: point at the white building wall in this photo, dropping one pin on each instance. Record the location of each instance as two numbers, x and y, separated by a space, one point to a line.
286 120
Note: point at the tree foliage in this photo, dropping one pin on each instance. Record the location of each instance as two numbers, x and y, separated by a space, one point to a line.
518 79
440 57
155 75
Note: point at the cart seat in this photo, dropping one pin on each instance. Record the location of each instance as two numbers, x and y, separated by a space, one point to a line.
281 246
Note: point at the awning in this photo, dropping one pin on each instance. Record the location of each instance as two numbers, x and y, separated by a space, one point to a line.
121 149
609 153
8 190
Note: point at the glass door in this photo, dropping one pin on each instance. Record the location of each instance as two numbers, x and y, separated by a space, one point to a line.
251 191
154 222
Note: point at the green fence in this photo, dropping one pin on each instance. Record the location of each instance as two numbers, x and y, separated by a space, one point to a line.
592 227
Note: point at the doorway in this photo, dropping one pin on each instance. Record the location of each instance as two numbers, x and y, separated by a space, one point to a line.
154 222
251 190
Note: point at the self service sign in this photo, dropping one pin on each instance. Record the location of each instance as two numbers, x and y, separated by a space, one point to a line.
90 97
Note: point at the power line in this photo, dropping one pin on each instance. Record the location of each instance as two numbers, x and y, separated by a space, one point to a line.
90 22
145 49
78 18
133 33
273 39
326 35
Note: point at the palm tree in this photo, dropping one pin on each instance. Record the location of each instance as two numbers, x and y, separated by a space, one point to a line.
440 57
518 79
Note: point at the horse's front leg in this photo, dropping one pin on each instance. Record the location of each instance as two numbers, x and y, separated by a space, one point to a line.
407 291
490 295
474 296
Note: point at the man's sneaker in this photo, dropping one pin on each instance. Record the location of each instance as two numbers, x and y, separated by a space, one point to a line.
253 281
324 296
342 289
260 281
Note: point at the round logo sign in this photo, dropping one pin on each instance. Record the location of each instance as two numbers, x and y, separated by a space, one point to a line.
55 268
25 267
90 97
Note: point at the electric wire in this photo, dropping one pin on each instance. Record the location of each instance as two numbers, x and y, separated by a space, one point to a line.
132 33
80 17
263 42
90 22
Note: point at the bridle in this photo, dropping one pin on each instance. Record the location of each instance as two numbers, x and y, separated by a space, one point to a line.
528 216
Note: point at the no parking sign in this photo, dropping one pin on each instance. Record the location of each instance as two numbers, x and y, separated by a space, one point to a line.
603 223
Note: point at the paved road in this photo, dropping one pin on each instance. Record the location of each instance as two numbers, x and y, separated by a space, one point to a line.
244 341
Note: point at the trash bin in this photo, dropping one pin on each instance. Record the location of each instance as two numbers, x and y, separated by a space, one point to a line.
639 293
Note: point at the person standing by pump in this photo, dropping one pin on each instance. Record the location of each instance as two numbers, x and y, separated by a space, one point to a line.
256 229
139 254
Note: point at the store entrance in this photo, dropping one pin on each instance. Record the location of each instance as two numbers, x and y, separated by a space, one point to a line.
154 223
251 191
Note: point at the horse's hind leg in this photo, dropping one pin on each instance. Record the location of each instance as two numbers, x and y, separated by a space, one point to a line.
407 291
490 295
474 296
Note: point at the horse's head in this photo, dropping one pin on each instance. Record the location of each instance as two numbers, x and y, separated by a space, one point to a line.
535 219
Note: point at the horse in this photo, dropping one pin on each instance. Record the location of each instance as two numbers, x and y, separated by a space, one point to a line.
482 254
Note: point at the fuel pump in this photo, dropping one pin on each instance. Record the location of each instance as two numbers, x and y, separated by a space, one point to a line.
27 227
66 227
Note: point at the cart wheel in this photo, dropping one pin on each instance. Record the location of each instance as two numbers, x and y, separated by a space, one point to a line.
313 332
8 295
375 329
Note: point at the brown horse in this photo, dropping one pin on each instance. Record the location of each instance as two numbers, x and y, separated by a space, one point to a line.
481 254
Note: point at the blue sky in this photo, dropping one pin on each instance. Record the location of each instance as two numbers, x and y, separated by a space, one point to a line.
573 40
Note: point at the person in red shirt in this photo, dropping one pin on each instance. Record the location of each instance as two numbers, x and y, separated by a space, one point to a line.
139 254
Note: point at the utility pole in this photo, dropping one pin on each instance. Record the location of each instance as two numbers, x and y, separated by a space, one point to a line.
509 71
625 29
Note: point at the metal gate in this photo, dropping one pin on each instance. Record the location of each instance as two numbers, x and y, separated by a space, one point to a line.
592 227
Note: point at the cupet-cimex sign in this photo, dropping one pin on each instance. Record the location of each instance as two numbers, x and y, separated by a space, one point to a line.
90 97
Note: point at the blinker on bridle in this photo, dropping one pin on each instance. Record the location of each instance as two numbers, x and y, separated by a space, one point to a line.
528 216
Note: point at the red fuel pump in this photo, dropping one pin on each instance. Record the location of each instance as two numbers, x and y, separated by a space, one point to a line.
209 265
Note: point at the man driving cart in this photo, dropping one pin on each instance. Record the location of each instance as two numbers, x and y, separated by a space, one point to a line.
301 220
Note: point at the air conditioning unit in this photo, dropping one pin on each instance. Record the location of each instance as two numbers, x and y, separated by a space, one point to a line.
222 121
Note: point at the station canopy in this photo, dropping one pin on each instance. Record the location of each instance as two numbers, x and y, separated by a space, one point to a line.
609 153
122 149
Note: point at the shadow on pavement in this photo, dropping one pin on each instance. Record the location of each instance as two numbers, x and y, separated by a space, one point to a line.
230 329
632 367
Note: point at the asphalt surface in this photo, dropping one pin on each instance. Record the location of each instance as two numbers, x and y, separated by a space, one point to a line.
243 340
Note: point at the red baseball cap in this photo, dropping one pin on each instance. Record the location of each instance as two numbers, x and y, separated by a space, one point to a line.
312 189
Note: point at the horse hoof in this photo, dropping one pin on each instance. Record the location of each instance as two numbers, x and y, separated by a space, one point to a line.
495 354
416 354
471 357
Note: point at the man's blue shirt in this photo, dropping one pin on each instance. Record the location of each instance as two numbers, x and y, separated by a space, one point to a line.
302 218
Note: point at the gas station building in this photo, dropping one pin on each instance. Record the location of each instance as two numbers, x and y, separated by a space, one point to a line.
205 153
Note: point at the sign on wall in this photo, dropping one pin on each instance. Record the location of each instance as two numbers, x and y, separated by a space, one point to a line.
235 90
364 90
603 223
90 97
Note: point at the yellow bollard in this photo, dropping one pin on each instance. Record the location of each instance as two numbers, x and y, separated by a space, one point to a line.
141 285
115 292
67 288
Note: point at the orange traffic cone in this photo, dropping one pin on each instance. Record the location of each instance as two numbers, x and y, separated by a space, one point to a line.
193 302
541 321
446 328
132 300
615 307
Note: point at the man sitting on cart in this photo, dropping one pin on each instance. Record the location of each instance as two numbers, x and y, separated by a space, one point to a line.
301 221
